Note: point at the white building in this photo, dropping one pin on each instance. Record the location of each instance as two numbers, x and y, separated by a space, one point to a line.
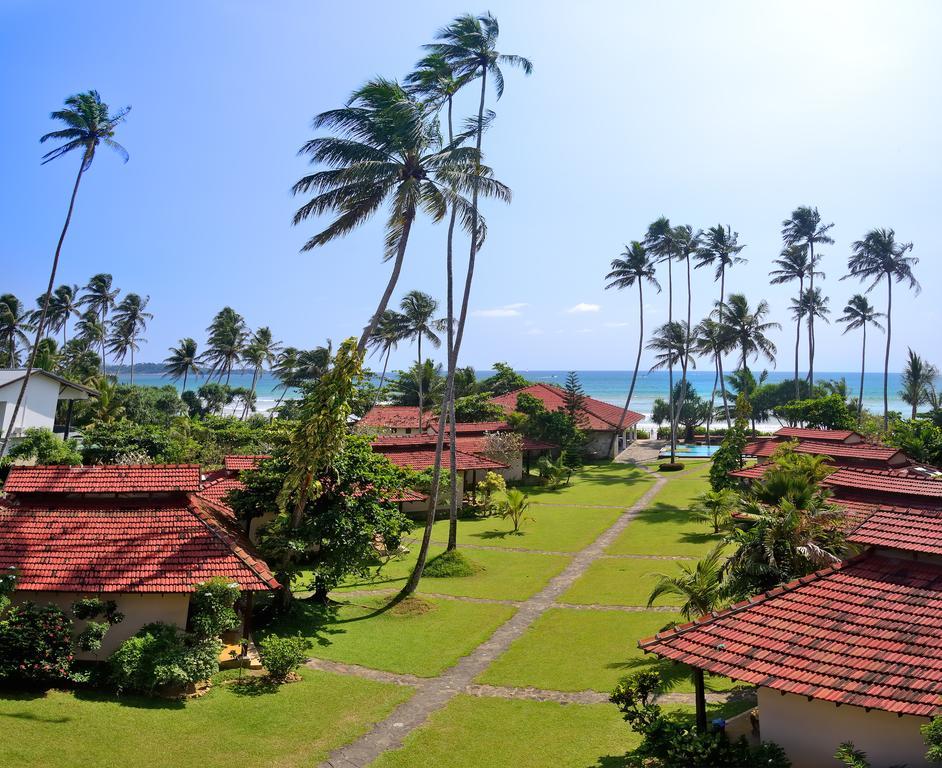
43 394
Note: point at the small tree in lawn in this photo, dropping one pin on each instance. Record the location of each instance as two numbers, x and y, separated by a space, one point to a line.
715 507
514 507
729 456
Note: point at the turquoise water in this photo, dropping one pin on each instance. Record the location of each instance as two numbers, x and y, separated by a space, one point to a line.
697 451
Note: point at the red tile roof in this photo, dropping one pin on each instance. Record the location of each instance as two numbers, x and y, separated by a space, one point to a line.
911 529
886 482
821 435
217 490
600 416
864 452
125 545
751 473
108 478
421 457
400 440
864 633
396 417
407 494
477 426
236 463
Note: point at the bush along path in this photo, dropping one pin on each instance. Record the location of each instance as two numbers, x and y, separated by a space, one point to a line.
433 694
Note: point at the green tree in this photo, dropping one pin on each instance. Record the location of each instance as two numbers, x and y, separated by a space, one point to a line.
477 407
713 340
99 298
574 399
15 323
918 438
748 328
659 243
504 380
262 350
63 306
879 257
41 446
635 267
88 123
227 336
919 378
669 342
793 265
715 507
514 507
419 310
389 332
92 331
699 585
729 455
687 243
183 360
127 325
811 304
858 314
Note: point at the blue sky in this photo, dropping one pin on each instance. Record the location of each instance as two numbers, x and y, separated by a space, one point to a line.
731 112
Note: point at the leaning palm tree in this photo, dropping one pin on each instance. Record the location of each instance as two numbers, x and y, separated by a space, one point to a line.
720 249
635 267
262 350
877 257
418 311
227 336
100 297
15 323
671 343
88 123
698 586
810 304
859 313
285 370
804 227
919 377
128 323
389 332
793 264
748 328
183 361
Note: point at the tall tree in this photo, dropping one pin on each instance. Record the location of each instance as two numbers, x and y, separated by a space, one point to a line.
262 350
918 381
720 249
804 227
810 304
227 336
712 339
418 311
389 332
635 267
858 314
183 360
671 343
687 243
285 370
793 264
469 46
15 323
88 123
879 257
63 306
100 297
92 331
748 328
128 323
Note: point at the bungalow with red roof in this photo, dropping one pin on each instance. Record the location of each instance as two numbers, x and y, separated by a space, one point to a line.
397 420
599 420
141 535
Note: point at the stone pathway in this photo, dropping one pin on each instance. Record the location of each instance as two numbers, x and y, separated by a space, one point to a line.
641 452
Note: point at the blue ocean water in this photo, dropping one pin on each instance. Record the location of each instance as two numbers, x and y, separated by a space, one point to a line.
610 386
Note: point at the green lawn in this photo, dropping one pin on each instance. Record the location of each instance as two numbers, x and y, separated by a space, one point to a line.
556 529
419 636
610 484
572 650
503 575
616 581
501 733
295 725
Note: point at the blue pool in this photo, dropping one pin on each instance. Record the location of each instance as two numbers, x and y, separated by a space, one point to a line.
698 451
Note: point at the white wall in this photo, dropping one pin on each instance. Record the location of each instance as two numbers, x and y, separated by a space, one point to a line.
811 731
39 404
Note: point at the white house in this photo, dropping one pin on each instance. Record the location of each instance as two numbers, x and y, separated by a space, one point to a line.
43 394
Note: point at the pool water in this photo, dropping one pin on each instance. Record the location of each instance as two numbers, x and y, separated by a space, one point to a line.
700 451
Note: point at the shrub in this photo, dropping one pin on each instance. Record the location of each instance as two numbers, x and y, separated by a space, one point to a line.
450 565
35 643
44 447
492 485
671 466
281 656
161 655
212 610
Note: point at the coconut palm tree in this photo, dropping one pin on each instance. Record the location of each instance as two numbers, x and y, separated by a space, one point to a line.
418 311
811 304
63 306
671 343
748 328
100 297
128 323
88 123
183 361
285 370
804 227
720 249
388 149
92 331
858 314
262 350
879 257
659 242
687 243
635 267
15 324
389 332
698 585
793 264
918 380
712 339
227 336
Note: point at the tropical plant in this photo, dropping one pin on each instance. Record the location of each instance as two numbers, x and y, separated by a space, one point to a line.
635 267
40 446
728 457
127 325
226 338
389 332
715 507
698 585
920 439
793 265
811 304
262 350
418 311
88 123
514 507
918 380
748 328
687 243
90 330
670 343
63 306
858 314
183 360
15 323
282 656
712 339
99 298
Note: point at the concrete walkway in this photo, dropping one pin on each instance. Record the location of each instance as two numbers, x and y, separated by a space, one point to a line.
641 452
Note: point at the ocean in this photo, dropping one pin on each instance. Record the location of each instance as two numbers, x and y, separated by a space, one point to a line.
609 386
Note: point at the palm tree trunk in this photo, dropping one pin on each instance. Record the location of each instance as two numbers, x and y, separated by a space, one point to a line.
811 325
132 362
798 343
886 355
104 332
390 285
416 575
712 400
634 375
42 316
670 364
719 356
450 344
419 382
685 361
863 367
382 379
185 372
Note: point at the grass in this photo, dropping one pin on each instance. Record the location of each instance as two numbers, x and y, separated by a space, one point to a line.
503 733
572 650
615 581
619 485
63 729
555 529
418 636
499 575
450 565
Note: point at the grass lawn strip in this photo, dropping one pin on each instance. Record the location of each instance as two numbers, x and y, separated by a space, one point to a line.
609 484
621 581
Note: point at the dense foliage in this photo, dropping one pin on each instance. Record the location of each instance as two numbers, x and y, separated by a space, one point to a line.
829 412
35 643
42 446
919 438
729 455
282 656
161 655
532 419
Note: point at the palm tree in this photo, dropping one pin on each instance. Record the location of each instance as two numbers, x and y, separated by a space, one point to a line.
671 342
92 331
183 361
877 257
699 585
716 507
285 370
711 339
47 356
687 243
390 330
634 268
659 242
859 313
418 310
227 335
100 298
127 325
918 379
63 306
793 264
811 304
389 148
720 249
262 350
313 364
88 124
804 227
748 328
15 323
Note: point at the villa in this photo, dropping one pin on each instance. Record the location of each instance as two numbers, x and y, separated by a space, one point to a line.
217 486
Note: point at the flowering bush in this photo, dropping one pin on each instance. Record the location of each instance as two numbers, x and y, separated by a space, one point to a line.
35 643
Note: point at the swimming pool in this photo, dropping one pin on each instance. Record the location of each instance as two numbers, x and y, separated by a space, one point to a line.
691 451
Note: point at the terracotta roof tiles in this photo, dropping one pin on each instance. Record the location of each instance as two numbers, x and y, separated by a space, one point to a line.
599 415
109 478
239 462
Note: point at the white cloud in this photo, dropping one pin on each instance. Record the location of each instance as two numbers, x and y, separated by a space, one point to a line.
508 310
583 307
